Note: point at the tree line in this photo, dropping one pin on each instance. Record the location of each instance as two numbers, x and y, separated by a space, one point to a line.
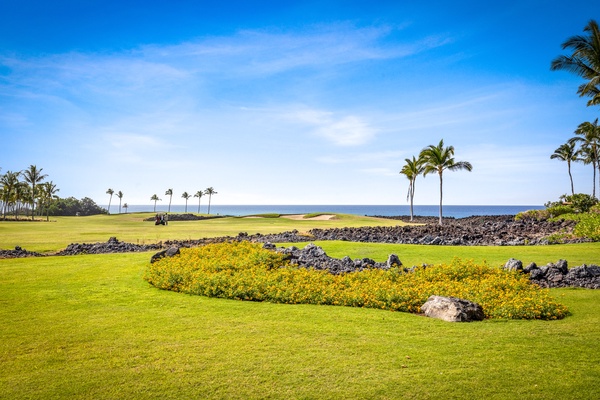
185 195
27 193
584 61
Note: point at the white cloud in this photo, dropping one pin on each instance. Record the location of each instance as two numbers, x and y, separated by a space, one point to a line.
348 130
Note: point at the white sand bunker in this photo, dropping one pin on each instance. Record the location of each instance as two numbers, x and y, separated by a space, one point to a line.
322 217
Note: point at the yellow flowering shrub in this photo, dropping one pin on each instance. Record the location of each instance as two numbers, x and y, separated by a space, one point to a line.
246 271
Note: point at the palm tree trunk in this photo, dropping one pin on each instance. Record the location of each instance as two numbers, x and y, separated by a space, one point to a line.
571 177
209 198
440 198
594 187
412 195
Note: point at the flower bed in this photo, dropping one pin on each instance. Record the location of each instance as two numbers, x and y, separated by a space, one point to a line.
246 271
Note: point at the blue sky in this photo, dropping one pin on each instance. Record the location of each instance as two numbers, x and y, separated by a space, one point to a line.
290 102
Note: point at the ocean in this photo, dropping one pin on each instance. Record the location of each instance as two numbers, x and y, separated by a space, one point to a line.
383 210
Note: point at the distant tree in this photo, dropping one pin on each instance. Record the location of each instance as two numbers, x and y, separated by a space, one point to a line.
154 198
412 169
111 192
588 136
125 206
33 176
199 195
186 196
438 159
22 196
210 191
49 191
169 193
584 62
120 196
566 152
9 182
72 206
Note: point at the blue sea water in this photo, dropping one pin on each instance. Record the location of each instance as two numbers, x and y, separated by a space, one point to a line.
383 210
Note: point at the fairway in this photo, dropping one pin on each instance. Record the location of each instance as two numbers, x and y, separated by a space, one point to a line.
90 327
42 236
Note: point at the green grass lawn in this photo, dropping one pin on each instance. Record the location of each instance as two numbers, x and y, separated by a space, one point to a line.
42 236
91 327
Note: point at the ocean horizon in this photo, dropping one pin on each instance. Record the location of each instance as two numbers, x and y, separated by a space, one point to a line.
454 211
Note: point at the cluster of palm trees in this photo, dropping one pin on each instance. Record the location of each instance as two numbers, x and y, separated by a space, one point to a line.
185 195
584 62
21 196
120 196
431 159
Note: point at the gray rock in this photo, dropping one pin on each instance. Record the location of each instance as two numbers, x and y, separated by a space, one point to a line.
170 252
393 260
514 265
452 309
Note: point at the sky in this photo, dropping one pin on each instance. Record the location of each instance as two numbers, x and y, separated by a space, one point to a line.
312 102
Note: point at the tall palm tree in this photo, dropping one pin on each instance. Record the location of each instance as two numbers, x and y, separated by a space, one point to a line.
584 62
111 192
120 196
438 159
588 136
154 198
199 195
169 193
566 152
412 169
186 196
210 191
49 191
33 176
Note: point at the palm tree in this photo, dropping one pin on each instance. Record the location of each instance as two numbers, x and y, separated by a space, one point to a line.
111 192
125 206
154 198
210 191
584 62
199 195
439 158
412 169
22 195
9 183
186 196
49 191
566 152
120 196
588 136
33 176
169 193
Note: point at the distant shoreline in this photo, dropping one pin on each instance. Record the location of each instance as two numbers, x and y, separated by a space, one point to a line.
452 211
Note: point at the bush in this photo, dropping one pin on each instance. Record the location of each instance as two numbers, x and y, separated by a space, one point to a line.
72 206
577 203
245 271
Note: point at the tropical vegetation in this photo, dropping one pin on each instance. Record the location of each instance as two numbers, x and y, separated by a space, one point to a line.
584 61
246 271
209 191
412 169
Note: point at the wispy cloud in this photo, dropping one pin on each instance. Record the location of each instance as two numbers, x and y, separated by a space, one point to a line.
344 130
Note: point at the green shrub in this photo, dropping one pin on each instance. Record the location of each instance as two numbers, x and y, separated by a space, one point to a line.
578 203
588 226
245 271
